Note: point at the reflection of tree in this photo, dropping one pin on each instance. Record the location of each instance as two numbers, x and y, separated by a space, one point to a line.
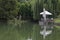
36 32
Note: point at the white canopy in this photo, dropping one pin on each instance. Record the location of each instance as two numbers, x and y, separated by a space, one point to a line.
46 12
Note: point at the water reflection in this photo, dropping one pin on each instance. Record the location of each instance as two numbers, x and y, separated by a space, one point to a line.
29 39
26 31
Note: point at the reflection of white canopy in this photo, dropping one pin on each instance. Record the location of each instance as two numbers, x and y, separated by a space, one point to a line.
46 12
46 33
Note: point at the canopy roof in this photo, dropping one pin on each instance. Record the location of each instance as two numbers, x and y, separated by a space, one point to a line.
46 12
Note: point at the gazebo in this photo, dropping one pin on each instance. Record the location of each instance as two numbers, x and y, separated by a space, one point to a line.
49 20
46 23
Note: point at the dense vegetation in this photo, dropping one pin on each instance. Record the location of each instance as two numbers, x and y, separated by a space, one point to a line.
8 9
27 9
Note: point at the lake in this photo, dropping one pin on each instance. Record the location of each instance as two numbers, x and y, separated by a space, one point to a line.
25 31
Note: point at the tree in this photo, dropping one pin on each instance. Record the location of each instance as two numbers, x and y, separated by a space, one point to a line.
35 7
25 10
8 9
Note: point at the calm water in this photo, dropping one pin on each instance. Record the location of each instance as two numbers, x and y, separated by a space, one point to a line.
25 31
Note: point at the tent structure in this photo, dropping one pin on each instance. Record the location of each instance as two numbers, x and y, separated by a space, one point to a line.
45 32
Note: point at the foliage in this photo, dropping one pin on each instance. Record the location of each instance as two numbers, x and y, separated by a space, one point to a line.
8 8
25 10
35 8
28 9
52 6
